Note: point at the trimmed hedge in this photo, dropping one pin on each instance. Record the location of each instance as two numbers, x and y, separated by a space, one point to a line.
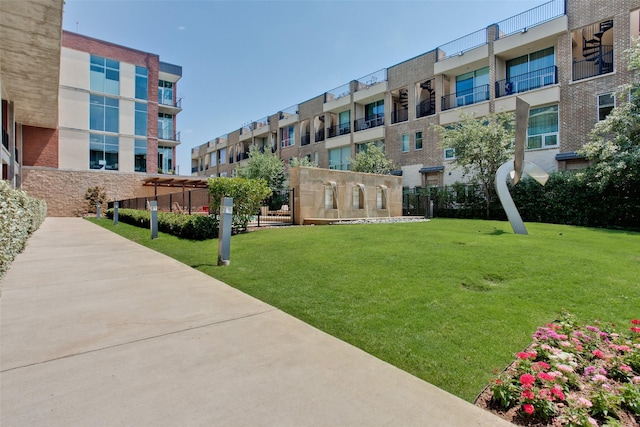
20 216
194 227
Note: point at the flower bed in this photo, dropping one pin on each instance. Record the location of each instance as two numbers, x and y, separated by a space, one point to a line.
572 374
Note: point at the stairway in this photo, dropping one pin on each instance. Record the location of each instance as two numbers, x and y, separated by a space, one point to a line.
594 51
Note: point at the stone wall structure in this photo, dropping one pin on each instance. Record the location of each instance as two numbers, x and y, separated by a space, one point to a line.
327 194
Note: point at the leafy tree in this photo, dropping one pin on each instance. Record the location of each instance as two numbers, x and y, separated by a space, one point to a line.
614 144
481 147
247 195
303 161
372 160
266 166
95 195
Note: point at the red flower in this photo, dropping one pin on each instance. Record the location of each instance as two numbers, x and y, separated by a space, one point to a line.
527 379
544 365
637 330
545 376
599 354
528 394
528 408
523 355
635 322
557 393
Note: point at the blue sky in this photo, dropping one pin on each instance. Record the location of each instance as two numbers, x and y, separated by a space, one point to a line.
244 60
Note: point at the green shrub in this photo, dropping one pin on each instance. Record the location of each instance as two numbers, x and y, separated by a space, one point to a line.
93 196
194 227
247 195
20 215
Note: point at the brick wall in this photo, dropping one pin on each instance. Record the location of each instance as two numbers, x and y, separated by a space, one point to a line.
64 190
39 146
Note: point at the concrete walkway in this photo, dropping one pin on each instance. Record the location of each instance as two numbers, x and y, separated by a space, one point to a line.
98 331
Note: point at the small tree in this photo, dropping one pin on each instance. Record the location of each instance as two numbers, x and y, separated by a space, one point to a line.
303 162
372 159
93 196
481 146
247 195
266 166
615 141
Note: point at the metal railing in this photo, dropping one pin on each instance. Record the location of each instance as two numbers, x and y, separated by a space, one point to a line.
170 103
242 156
246 128
466 97
426 108
343 129
603 64
371 79
401 115
320 135
525 82
288 142
168 135
261 123
288 112
371 122
305 139
530 18
461 45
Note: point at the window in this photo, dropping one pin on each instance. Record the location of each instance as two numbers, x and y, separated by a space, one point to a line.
543 127
606 103
165 159
165 126
531 71
344 122
449 153
339 158
374 114
140 155
140 119
222 156
103 113
363 146
287 136
104 75
103 152
472 87
405 142
142 83
418 142
165 93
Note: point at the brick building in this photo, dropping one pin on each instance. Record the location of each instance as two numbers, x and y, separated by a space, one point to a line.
564 57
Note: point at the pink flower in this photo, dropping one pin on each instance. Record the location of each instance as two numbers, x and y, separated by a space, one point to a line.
544 365
635 322
599 354
527 379
585 403
528 394
593 329
564 368
523 355
545 376
635 380
599 378
636 330
625 368
528 408
557 392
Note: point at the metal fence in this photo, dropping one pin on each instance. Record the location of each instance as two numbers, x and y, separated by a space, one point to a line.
277 209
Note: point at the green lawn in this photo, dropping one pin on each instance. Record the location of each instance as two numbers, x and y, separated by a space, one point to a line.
450 301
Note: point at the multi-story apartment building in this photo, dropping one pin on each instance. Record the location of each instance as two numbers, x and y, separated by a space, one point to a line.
117 108
106 107
565 58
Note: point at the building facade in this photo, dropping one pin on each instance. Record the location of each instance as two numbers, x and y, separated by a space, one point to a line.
565 58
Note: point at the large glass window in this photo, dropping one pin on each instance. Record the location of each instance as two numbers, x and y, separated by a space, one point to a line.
140 155
103 113
287 136
165 159
469 87
531 71
405 142
165 92
103 152
141 119
222 156
104 75
344 122
165 126
374 110
543 127
339 158
606 103
142 83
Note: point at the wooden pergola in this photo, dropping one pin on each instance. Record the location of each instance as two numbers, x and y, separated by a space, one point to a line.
176 182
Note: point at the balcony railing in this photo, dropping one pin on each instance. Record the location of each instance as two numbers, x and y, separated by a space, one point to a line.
595 66
287 142
530 18
230 158
465 97
194 169
242 156
367 123
401 115
426 108
461 45
372 79
169 102
305 139
525 82
167 135
337 93
246 129
320 135
261 123
289 112
343 129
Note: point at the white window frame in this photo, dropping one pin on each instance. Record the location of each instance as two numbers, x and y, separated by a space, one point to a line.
402 141
448 156
599 106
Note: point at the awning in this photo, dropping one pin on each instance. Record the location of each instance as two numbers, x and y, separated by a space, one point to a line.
396 172
431 169
177 181
572 155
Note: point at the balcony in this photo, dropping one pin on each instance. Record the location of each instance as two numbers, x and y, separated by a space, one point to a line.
602 64
426 108
320 135
524 21
371 122
466 97
169 105
343 129
305 139
242 156
459 46
169 138
526 82
288 142
401 115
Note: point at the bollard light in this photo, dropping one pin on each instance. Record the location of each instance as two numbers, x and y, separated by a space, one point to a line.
224 231
153 208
